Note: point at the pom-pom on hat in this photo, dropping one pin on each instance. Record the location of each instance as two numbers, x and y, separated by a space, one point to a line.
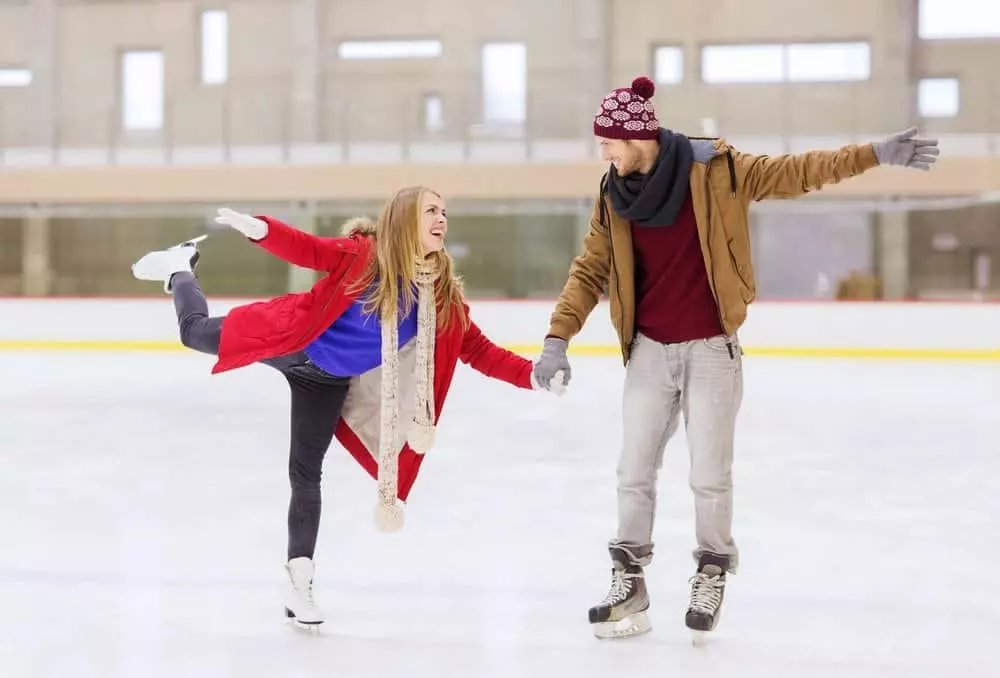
627 113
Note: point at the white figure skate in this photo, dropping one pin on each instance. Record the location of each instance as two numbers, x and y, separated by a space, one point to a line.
300 605
159 266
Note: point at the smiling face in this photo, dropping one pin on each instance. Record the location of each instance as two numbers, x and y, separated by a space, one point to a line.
433 222
627 155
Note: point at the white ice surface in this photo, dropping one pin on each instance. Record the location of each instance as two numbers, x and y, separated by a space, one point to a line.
143 529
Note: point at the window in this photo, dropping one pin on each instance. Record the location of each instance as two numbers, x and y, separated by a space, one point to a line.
214 47
742 63
142 90
433 113
829 62
15 77
951 19
390 49
806 62
505 83
938 97
668 65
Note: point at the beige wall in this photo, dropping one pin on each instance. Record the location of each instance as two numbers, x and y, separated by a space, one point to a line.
770 109
269 52
383 99
976 64
953 176
287 84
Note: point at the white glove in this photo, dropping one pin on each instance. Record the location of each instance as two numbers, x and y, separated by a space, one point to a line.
251 227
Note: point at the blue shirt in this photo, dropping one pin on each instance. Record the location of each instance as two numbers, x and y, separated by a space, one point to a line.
352 345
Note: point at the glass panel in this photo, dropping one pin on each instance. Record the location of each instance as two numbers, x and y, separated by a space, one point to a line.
938 97
742 63
15 77
829 62
948 19
214 47
142 90
668 65
390 49
505 82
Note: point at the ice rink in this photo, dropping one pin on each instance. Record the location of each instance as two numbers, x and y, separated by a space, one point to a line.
143 529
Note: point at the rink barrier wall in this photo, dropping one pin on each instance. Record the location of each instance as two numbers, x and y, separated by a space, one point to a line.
866 330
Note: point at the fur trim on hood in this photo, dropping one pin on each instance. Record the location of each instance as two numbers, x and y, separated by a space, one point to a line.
362 225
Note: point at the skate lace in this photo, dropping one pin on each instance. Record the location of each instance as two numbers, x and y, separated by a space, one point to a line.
307 594
621 586
304 587
706 592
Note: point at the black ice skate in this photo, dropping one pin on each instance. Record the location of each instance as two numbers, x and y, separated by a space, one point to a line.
161 265
623 611
708 587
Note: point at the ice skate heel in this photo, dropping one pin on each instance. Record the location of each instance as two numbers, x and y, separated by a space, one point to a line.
161 265
624 611
708 587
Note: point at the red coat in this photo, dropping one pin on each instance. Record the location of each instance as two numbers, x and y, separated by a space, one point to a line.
289 323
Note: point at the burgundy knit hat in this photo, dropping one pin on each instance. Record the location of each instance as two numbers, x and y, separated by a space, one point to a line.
628 113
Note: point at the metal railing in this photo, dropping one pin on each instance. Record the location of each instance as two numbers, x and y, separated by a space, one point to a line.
382 118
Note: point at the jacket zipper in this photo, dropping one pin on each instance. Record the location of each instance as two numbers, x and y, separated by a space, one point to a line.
711 267
611 242
618 289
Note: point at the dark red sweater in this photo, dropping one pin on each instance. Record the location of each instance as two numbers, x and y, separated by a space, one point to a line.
674 301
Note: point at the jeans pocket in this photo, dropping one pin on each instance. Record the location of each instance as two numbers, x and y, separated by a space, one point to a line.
723 344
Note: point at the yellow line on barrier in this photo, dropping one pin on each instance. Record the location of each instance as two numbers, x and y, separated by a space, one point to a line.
94 346
928 354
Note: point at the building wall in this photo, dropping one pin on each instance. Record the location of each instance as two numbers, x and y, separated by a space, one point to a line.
770 109
974 64
284 53
287 84
288 88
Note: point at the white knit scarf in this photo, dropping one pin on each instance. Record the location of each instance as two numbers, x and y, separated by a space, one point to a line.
420 430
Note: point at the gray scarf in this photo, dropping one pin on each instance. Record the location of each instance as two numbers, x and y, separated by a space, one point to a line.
656 198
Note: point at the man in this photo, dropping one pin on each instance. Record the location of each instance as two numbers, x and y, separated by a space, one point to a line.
670 238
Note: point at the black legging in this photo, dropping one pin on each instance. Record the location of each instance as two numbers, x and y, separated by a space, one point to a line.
316 401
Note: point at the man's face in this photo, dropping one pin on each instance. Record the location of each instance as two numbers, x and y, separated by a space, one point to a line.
621 153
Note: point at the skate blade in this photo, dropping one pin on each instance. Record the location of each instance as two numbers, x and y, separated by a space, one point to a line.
699 638
191 242
632 625
306 626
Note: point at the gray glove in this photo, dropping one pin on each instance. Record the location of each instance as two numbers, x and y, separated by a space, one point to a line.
552 363
906 149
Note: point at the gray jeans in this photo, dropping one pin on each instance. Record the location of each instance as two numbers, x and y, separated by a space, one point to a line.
703 380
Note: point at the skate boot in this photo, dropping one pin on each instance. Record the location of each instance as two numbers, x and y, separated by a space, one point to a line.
162 264
623 611
299 603
708 587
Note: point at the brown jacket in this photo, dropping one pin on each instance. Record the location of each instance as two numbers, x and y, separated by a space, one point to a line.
722 188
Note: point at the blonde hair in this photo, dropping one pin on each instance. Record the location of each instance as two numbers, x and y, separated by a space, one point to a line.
393 268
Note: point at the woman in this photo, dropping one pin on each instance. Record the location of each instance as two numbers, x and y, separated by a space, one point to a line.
369 352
